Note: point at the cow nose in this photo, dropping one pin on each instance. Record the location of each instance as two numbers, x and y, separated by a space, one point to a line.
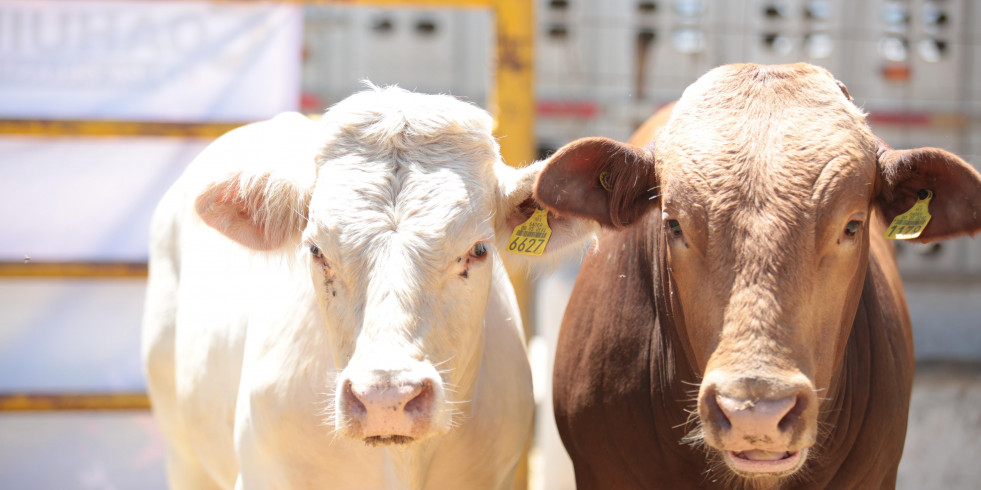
389 409
372 398
744 414
765 418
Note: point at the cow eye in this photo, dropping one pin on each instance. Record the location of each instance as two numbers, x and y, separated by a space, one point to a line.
479 250
674 227
851 229
476 255
315 251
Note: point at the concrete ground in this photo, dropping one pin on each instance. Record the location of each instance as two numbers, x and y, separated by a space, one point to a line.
943 442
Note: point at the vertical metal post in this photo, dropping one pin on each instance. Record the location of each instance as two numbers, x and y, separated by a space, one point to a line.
513 105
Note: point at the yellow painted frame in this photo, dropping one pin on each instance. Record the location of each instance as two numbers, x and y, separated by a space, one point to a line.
512 99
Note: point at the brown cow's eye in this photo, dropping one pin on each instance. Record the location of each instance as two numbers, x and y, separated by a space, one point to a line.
851 229
674 227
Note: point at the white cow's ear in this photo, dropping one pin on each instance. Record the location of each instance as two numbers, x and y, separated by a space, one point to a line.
262 211
517 204
956 204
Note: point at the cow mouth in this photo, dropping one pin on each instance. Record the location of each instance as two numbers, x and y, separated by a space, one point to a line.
757 462
388 440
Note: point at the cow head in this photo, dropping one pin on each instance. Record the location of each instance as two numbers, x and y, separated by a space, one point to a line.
766 184
397 216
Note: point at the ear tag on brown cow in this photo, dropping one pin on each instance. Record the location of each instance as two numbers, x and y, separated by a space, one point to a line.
911 223
604 181
531 237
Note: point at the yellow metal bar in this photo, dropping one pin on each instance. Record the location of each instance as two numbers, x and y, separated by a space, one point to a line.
72 269
513 99
512 103
21 402
114 128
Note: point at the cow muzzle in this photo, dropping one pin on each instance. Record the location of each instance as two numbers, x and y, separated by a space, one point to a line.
384 406
762 426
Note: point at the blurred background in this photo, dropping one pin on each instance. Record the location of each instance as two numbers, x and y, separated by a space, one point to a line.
103 104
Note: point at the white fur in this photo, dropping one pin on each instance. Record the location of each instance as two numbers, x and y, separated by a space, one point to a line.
244 350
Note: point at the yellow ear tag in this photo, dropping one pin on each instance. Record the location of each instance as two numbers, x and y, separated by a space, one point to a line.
911 223
604 180
531 237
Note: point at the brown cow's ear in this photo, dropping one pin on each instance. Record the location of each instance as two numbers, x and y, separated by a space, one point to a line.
607 181
956 204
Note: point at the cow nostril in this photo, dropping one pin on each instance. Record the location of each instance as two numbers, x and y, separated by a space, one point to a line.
715 413
352 403
422 401
793 415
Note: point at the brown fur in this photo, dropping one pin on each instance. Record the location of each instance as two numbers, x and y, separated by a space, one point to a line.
763 167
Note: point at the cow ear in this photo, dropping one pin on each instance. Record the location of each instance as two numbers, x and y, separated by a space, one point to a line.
517 205
261 211
604 180
955 208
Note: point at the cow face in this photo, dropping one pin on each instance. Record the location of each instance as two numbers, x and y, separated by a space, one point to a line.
767 183
398 219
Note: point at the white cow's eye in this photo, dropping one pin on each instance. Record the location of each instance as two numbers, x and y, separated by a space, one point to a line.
479 250
315 251
476 255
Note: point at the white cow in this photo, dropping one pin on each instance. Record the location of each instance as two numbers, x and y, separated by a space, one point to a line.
366 334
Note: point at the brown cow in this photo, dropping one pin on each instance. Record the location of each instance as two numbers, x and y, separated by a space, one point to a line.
756 312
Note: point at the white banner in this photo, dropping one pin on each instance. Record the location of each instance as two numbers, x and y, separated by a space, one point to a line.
64 199
156 61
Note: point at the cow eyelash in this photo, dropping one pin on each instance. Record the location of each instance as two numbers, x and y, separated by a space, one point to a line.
476 254
318 256
478 251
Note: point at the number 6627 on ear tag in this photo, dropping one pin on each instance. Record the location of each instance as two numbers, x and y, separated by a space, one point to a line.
531 237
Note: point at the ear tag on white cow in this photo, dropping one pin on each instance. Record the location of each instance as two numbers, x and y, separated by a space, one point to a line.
911 223
531 237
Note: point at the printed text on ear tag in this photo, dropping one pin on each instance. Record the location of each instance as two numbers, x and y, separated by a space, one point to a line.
531 237
911 223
